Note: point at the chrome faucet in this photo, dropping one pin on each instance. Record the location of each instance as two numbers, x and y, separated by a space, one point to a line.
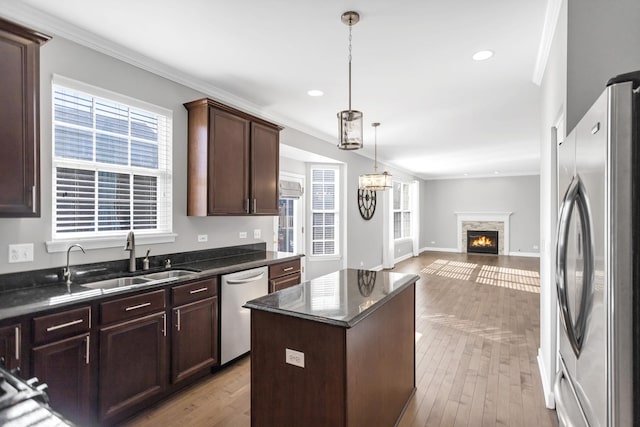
67 272
131 247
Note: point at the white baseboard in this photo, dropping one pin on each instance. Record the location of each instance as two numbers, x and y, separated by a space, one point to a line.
432 249
403 257
547 389
527 254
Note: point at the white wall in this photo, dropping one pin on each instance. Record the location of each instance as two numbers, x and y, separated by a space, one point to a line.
603 39
71 60
518 194
553 107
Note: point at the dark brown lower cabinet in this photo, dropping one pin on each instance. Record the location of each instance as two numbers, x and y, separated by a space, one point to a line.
284 282
65 367
10 346
195 338
133 363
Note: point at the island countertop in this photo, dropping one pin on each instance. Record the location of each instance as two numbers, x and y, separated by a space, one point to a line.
342 298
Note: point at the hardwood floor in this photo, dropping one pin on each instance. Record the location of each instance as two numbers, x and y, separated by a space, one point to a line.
477 337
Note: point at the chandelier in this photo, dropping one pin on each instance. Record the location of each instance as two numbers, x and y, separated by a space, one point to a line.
350 121
375 181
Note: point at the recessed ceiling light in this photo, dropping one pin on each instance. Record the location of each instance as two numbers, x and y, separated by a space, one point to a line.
315 92
482 55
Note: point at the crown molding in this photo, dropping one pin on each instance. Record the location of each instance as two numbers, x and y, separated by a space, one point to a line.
548 31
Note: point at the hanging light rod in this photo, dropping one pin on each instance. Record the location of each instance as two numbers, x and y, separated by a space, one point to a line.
375 181
350 121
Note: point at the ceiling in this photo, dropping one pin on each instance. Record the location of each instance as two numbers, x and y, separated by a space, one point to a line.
441 113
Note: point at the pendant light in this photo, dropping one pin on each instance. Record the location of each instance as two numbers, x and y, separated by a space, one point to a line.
375 181
350 121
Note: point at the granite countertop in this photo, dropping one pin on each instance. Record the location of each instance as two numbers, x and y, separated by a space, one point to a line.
34 299
342 298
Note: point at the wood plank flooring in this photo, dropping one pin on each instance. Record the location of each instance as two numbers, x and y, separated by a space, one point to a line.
477 337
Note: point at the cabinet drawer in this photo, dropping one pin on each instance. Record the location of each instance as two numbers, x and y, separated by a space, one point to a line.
284 282
184 294
277 270
61 325
134 306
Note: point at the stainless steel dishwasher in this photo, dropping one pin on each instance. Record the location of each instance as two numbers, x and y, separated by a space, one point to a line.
235 321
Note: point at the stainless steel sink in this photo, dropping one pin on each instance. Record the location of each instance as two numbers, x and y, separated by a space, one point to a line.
118 282
169 274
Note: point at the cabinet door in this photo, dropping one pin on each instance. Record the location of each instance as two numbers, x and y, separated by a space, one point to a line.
195 338
228 163
284 282
64 367
19 121
10 346
265 156
133 363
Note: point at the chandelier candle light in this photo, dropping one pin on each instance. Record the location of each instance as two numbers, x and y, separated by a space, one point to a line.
375 181
350 121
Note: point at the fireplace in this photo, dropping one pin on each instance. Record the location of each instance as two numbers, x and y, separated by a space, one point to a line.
482 241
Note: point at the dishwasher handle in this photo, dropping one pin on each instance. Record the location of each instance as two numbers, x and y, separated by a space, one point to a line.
245 280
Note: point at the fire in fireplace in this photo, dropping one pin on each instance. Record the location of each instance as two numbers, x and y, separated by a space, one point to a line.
482 241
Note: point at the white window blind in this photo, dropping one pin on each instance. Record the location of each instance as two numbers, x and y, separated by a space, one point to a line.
324 211
111 163
401 210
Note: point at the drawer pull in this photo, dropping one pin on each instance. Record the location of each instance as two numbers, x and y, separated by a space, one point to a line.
135 307
195 291
287 269
64 325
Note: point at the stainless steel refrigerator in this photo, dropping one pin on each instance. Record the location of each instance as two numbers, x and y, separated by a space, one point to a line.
597 262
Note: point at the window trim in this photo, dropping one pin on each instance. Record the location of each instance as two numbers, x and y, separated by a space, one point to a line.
410 210
59 242
337 255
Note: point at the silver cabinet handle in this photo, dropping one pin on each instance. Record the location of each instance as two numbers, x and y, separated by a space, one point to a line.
178 325
33 199
245 280
255 205
135 307
64 325
248 206
17 330
86 356
164 325
287 269
195 291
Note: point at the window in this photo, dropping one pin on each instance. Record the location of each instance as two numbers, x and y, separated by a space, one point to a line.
111 163
324 211
401 210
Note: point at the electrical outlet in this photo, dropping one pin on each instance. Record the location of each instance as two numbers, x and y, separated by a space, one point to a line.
256 233
293 357
433 242
535 246
243 235
203 237
21 253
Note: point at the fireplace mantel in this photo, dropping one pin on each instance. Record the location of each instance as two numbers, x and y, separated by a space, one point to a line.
484 216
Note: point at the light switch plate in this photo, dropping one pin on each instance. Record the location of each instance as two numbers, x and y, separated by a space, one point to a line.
295 358
243 234
256 233
203 237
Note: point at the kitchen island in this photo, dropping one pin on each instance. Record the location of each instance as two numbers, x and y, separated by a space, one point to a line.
338 350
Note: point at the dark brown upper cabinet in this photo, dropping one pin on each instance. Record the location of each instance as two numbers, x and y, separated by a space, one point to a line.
233 161
20 120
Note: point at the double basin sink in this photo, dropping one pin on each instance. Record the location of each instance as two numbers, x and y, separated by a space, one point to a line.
147 279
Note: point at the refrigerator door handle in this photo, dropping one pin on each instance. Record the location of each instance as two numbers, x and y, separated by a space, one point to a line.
574 197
